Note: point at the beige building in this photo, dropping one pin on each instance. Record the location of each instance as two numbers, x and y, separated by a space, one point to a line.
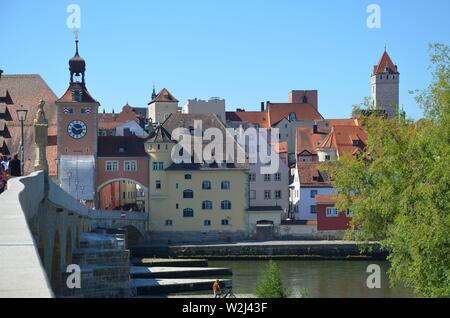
195 201
161 106
214 105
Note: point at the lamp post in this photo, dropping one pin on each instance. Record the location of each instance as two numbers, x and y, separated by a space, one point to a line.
22 116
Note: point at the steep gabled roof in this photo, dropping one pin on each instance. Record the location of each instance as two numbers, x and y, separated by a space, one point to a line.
342 138
307 140
85 96
164 96
385 62
27 90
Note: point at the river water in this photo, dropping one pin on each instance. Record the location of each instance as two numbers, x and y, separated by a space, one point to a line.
324 279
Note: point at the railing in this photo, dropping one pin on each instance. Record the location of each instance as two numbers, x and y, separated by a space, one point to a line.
117 215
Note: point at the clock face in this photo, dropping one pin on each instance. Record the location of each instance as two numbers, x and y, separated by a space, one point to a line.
77 129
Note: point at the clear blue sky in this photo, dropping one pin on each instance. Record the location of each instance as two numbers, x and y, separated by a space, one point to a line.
244 51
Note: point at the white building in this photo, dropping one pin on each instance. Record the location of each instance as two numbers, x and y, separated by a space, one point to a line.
308 182
131 127
214 105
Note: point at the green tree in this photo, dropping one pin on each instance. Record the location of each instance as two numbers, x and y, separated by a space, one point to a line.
399 189
271 286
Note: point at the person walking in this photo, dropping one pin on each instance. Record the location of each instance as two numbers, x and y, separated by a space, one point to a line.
216 289
14 167
4 162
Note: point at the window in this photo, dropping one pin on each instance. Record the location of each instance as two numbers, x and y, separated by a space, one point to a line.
159 147
158 165
176 206
267 195
252 195
188 213
225 185
313 193
225 205
277 176
207 205
207 222
327 158
158 184
313 209
187 177
225 222
349 213
130 165
77 95
267 177
188 194
278 194
292 116
332 212
305 100
112 165
206 185
169 223
252 177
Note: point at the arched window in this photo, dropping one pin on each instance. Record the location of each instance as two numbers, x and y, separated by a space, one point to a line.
188 194
188 213
225 185
187 177
225 205
207 205
305 99
292 116
206 185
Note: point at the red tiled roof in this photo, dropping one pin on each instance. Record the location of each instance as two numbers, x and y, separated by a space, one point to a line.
326 198
278 111
111 121
164 96
343 122
307 140
28 90
342 137
281 147
310 175
385 62
121 146
85 96
258 118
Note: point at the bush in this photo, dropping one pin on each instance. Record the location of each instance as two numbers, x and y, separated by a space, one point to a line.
271 286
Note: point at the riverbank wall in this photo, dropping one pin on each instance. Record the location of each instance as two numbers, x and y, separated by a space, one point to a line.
308 250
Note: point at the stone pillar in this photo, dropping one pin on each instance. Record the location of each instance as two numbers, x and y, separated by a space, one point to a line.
41 136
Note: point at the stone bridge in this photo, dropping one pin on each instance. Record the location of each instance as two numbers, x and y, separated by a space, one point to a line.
40 226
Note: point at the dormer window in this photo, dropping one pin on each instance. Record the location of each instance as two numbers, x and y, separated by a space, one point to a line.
292 117
355 143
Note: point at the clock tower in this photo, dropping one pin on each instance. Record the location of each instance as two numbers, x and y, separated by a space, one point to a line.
77 113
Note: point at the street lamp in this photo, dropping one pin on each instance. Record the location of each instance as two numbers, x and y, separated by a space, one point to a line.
22 116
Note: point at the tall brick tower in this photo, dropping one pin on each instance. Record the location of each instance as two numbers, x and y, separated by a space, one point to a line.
385 85
77 134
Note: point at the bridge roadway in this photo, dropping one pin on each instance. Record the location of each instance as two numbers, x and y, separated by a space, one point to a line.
40 225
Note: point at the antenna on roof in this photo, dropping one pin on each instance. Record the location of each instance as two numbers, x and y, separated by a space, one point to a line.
385 46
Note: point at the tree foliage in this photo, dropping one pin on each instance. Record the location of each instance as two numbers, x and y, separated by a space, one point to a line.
399 189
271 286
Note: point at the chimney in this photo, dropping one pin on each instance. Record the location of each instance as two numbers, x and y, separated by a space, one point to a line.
315 129
1 72
262 106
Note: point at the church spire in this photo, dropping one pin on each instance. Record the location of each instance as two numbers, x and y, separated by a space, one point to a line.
154 92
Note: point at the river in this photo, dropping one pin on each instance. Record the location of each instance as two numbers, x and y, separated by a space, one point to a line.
324 279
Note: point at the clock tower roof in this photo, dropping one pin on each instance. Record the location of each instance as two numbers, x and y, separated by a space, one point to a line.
77 93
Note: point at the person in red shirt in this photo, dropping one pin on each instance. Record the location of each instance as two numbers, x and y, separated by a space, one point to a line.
216 289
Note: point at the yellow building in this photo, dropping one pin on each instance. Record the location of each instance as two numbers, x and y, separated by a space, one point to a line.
195 202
